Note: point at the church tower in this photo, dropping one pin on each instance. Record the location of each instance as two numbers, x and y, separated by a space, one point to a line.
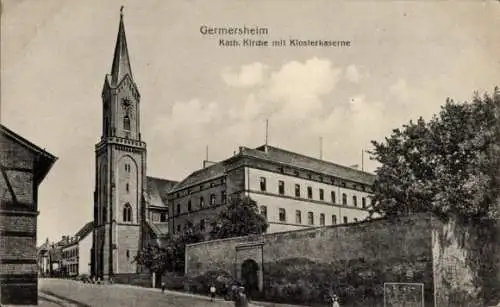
120 170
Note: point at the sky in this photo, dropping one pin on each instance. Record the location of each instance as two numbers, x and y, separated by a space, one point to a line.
404 60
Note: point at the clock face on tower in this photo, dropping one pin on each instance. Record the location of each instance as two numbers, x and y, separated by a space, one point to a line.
127 104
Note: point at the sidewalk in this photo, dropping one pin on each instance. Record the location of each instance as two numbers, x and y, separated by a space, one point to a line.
206 297
45 300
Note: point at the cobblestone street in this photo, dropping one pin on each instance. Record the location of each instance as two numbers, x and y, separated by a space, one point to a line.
62 292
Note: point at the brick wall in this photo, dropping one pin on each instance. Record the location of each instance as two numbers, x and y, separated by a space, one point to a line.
303 265
18 269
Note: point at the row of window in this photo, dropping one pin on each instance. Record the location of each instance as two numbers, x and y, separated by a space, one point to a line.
72 269
310 217
200 187
159 217
327 179
213 201
188 225
281 191
70 253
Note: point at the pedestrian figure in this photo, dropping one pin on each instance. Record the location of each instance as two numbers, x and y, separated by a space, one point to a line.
335 302
163 287
212 292
241 298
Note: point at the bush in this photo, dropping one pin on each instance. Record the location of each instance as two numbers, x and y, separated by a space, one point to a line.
222 280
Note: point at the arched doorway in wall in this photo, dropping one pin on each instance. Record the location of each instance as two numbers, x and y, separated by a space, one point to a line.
250 276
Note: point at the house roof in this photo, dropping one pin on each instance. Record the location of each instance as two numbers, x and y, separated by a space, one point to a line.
46 159
283 156
157 191
85 230
278 156
204 174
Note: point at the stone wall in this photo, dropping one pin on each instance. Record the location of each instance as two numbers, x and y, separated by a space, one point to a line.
465 264
303 266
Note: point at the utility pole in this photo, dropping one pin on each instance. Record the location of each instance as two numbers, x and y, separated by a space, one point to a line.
321 148
267 131
362 159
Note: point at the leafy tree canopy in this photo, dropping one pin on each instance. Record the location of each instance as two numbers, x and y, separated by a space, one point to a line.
240 218
448 165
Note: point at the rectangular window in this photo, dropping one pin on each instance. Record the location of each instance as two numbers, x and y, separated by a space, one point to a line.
334 219
333 197
310 218
297 190
355 220
309 192
223 197
282 214
321 194
263 211
202 202
212 200
189 206
263 184
345 220
178 228
202 225
163 217
281 187
322 219
354 200
344 199
363 202
298 217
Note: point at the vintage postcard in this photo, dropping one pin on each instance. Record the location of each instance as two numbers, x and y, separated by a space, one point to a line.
250 153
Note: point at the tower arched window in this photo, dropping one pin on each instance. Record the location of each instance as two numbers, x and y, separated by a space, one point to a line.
126 122
127 213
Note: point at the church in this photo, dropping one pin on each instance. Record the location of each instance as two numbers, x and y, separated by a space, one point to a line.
132 210
127 203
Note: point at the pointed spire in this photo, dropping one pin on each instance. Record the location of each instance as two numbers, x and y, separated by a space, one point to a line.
121 61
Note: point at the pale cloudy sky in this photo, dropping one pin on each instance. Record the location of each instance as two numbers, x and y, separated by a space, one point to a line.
405 59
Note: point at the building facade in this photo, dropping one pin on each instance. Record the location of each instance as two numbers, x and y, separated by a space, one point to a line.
76 252
23 167
43 259
293 191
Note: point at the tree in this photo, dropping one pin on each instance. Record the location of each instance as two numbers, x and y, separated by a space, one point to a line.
448 165
240 218
170 257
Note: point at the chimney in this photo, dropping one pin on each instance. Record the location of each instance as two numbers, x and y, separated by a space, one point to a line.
207 163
